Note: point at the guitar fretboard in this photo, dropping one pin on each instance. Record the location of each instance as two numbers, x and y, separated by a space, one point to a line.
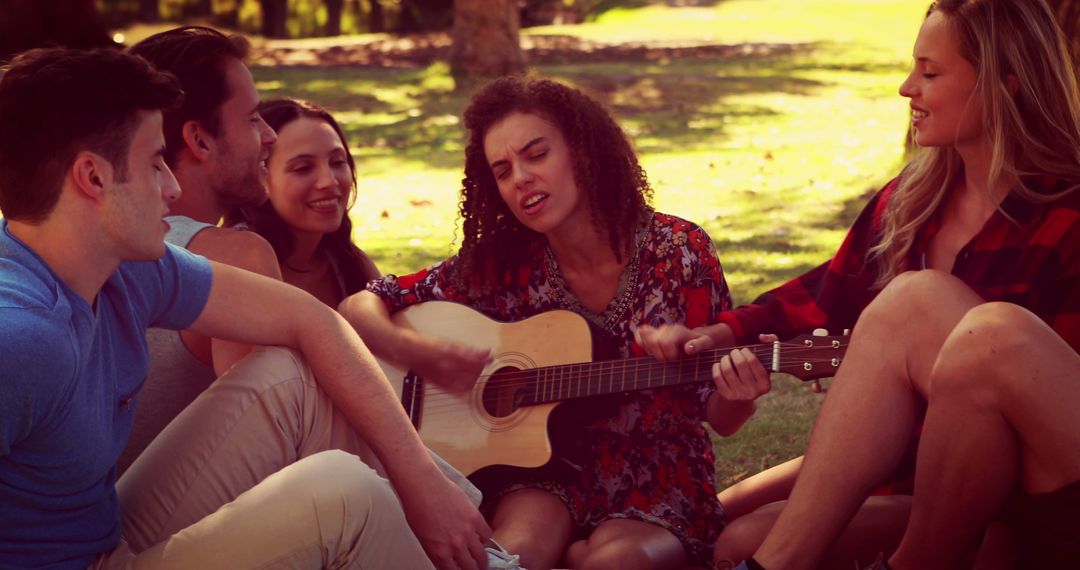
569 381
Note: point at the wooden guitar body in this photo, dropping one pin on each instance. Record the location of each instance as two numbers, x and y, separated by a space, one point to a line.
542 361
484 426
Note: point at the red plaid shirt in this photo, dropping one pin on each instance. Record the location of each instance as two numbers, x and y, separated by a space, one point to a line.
1033 262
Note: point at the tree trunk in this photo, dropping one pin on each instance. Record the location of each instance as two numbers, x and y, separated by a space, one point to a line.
148 11
334 9
199 9
376 23
486 42
274 15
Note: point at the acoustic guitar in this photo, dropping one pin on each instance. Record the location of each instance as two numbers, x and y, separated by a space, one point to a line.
538 363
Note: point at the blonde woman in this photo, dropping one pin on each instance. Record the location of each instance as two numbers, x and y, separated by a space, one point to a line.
963 275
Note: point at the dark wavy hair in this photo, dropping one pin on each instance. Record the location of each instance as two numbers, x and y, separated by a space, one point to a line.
263 220
605 167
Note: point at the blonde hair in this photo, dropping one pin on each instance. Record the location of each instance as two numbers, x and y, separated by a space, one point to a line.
1031 109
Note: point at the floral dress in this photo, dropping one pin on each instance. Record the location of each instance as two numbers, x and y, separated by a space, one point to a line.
644 455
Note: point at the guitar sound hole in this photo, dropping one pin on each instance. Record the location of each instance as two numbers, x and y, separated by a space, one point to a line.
502 392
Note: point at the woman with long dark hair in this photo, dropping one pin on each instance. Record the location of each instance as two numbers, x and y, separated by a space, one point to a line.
312 186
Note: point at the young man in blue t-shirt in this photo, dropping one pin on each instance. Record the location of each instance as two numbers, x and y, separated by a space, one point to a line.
84 272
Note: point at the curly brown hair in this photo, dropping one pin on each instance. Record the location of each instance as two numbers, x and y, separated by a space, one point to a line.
605 167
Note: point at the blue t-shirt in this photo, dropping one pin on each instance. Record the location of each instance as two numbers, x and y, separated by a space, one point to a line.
69 375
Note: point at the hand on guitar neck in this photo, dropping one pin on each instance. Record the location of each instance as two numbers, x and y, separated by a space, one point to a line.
739 375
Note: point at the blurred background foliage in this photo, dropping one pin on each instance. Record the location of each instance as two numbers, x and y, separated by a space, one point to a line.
315 18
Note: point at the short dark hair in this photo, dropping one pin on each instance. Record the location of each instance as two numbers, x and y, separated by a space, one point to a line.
605 167
56 102
196 55
263 219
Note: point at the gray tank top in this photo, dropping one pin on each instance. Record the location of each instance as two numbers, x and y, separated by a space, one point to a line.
175 378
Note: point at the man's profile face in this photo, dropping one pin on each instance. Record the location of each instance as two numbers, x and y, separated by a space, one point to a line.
243 143
134 207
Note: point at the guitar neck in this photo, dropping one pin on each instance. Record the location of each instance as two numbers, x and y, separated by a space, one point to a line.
807 357
572 381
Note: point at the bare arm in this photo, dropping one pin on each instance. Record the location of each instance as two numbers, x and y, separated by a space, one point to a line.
245 250
449 364
258 310
369 316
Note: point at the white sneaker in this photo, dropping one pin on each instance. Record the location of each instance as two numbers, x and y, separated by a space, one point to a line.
500 559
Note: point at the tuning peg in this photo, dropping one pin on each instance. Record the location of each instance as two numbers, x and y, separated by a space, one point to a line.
815 386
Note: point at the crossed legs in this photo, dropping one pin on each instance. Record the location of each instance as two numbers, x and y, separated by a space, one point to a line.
928 337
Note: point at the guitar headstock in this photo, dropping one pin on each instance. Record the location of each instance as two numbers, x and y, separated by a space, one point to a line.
809 357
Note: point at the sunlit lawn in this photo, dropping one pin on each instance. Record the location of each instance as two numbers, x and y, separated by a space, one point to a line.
772 155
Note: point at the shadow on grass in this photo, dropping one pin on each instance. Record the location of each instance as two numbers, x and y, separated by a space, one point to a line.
677 103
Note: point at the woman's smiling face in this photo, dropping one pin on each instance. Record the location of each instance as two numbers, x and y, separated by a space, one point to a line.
941 87
310 178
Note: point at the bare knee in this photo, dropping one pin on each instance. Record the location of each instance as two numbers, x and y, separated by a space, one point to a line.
627 543
911 293
617 554
977 355
739 539
742 536
992 329
533 524
911 305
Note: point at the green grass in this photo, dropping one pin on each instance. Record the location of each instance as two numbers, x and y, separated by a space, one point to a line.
772 155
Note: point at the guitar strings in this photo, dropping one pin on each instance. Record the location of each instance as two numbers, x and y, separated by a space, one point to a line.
563 386
437 399
534 376
524 376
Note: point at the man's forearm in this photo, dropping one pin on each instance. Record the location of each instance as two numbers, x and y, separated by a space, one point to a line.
347 371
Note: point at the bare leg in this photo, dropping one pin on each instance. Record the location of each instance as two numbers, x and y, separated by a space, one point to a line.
876 527
760 489
627 544
1003 402
869 417
533 524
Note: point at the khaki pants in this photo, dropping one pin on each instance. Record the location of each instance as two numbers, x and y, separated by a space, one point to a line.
243 478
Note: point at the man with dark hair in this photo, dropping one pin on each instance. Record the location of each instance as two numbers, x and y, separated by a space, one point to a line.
83 272
216 144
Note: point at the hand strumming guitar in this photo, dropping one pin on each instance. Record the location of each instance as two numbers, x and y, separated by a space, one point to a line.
448 364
